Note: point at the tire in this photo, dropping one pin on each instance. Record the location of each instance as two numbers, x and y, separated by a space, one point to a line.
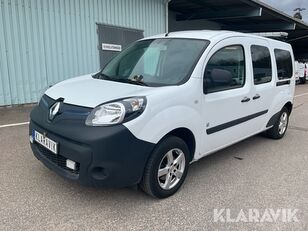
302 80
280 127
173 173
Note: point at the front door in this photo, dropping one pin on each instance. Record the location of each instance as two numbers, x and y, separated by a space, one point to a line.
227 110
113 40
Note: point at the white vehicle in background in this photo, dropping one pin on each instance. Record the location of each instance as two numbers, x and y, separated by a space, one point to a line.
296 72
300 72
306 72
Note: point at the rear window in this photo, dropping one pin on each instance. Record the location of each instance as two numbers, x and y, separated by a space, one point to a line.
284 64
262 65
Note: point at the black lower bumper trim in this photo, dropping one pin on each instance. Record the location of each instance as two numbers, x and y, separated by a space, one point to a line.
105 156
58 160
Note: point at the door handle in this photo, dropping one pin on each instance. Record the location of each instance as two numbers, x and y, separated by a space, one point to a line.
257 96
246 99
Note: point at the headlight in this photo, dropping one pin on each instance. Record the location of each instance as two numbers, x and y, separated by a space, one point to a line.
116 112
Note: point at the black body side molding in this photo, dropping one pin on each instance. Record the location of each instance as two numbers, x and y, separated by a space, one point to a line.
286 82
234 122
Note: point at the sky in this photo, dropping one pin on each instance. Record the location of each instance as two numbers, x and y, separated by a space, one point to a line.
288 6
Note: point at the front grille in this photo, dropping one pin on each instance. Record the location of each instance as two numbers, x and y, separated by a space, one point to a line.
57 159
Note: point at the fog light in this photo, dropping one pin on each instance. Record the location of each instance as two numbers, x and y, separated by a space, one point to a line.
99 173
71 164
31 139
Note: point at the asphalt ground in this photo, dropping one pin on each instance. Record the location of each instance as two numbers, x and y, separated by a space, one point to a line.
257 173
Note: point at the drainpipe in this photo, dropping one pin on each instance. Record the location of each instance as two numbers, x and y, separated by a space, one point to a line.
167 15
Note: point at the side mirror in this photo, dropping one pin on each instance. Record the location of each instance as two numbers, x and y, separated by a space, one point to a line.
215 78
221 77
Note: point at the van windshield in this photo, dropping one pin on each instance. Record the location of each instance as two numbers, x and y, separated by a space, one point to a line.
155 62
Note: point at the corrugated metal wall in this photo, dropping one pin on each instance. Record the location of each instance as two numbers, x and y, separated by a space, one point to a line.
45 41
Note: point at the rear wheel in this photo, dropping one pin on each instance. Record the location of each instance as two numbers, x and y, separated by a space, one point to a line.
167 168
281 125
302 80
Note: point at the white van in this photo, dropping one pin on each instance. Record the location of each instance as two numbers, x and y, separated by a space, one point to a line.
305 73
296 72
300 72
162 103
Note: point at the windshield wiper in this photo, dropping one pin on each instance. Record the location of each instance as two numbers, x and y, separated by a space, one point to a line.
137 80
132 81
101 75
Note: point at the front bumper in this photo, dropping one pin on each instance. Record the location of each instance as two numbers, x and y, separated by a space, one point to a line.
105 156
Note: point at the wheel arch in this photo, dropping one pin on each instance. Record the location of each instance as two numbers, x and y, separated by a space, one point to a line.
275 117
187 136
289 106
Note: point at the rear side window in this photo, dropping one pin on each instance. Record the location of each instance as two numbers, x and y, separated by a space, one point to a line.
225 70
284 64
262 65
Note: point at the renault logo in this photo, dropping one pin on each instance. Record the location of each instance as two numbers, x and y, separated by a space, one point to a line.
54 109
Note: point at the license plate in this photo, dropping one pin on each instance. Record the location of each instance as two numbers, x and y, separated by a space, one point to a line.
45 141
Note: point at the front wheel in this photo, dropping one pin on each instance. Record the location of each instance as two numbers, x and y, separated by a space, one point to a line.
281 125
167 168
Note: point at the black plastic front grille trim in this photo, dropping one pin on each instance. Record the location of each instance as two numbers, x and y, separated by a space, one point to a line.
57 159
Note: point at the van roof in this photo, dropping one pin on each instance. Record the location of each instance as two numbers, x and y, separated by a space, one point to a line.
210 35
198 34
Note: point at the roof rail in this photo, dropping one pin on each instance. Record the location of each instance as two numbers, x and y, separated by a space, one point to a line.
272 34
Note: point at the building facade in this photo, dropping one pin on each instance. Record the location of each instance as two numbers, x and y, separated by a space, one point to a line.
45 41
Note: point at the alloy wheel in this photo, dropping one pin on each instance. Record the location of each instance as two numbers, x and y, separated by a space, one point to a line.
171 169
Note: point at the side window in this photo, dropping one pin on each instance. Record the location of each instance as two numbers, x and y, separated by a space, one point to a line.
284 64
261 63
225 70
